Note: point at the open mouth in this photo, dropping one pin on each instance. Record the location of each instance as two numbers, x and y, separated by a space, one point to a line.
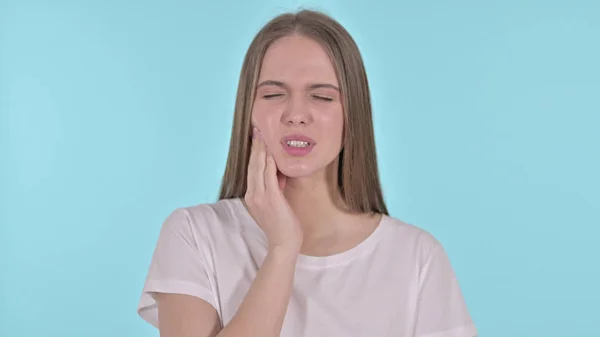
297 145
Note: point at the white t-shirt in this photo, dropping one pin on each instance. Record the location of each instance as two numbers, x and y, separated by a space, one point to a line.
398 282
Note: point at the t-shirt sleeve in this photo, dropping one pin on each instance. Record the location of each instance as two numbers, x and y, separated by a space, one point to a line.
178 266
441 309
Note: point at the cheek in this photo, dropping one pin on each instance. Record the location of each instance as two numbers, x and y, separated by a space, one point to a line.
267 122
332 125
262 117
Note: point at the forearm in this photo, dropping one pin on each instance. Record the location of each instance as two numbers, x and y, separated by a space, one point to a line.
263 309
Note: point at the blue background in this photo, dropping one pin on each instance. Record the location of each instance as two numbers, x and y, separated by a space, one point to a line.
113 113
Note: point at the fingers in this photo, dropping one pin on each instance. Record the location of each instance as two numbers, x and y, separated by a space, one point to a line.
281 179
272 185
262 170
259 174
252 171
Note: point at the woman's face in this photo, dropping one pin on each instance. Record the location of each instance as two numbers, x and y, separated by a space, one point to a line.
298 107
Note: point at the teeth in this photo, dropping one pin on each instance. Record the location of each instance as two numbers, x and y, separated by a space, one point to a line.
297 143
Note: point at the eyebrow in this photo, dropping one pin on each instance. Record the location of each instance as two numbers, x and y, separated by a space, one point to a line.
312 86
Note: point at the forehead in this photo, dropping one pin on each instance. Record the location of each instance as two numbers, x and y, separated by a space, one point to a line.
297 59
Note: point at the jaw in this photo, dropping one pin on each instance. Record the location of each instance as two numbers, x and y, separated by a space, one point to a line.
307 173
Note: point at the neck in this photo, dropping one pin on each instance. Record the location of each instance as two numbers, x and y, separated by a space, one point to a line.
317 202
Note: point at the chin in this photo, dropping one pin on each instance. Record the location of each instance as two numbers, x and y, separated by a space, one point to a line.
297 167
296 170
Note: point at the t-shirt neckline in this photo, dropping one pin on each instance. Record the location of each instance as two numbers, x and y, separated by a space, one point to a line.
308 261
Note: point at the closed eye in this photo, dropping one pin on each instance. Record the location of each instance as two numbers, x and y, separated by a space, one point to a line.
272 96
323 98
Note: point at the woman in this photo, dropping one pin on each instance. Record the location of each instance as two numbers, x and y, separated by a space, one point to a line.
300 242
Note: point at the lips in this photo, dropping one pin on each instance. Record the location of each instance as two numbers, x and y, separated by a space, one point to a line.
296 150
299 137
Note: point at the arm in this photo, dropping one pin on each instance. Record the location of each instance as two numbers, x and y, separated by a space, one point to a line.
261 313
441 309
186 316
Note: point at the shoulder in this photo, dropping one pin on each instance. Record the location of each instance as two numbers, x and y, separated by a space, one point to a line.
410 233
222 210
439 303
410 239
205 217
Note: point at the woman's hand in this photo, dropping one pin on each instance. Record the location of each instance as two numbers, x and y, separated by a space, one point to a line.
266 202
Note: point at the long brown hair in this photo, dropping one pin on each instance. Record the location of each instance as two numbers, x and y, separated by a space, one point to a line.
358 176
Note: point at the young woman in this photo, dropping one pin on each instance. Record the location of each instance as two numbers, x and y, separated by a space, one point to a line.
300 242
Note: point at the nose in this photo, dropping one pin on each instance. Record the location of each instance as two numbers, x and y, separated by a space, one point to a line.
296 112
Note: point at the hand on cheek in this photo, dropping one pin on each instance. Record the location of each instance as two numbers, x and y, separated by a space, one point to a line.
263 137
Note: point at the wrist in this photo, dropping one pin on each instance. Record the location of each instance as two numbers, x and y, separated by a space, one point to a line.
288 253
